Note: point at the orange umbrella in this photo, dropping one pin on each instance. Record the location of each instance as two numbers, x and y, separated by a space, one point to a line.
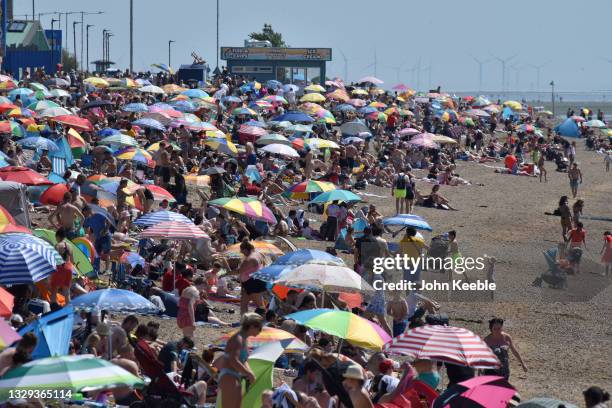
8 224
6 303
54 194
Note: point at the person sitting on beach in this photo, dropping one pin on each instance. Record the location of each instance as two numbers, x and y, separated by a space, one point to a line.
436 200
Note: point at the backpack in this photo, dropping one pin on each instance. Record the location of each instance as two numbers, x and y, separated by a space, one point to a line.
400 183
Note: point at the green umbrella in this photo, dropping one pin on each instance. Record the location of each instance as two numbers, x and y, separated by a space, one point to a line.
69 373
81 261
336 195
36 86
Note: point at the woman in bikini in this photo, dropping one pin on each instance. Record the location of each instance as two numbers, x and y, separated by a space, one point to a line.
61 279
233 365
500 342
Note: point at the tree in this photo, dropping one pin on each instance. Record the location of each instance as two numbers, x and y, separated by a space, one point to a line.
268 34
68 61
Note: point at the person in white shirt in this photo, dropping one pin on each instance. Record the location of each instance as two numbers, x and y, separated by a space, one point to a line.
333 211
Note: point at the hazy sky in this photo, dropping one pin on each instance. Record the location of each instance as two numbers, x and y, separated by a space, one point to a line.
571 37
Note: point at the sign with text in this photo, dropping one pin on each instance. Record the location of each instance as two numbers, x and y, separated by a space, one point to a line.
263 53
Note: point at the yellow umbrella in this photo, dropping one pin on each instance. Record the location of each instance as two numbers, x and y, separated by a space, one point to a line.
222 146
443 139
359 91
173 89
514 105
315 143
312 97
97 82
314 88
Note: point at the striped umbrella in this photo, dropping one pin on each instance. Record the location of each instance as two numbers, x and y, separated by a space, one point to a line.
26 259
114 300
262 247
8 336
294 259
454 345
244 111
174 230
120 140
222 146
155 146
75 373
249 207
304 190
158 217
38 143
266 336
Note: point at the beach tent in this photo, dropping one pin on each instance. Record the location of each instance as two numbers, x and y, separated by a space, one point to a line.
61 159
13 197
53 331
568 128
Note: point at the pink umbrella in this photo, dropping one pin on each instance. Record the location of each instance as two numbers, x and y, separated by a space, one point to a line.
356 102
487 391
174 230
409 132
400 87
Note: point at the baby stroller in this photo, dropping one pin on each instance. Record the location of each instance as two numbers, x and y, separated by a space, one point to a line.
438 248
556 276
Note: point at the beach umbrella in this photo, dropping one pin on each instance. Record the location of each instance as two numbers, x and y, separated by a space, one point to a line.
273 84
424 140
175 230
159 193
76 122
261 104
222 146
155 146
73 373
266 336
377 105
39 106
108 132
407 220
21 92
23 175
183 106
370 79
5 107
514 105
97 82
54 195
135 107
152 89
263 247
6 303
345 107
26 259
120 140
11 127
7 84
244 111
197 180
409 132
595 123
149 123
162 67
114 300
443 139
304 190
232 99
338 95
195 93
545 403
59 93
329 278
453 345
273 138
312 97
294 259
98 103
354 128
336 195
20 112
173 89
294 116
275 99
59 82
158 217
8 335
477 113
8 223
357 102
281 149
351 140
135 154
345 325
249 207
299 128
250 130
487 391
81 261
314 88
38 143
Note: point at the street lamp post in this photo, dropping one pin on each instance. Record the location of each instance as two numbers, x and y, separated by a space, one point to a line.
104 46
76 61
108 36
552 96
53 47
131 36
169 53
87 45
83 14
217 50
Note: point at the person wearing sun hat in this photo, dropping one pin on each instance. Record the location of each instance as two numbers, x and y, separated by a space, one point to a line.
354 380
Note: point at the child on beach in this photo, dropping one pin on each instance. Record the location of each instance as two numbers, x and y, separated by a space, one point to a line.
606 251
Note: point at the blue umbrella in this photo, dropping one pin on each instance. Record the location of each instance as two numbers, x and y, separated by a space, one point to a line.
256 123
114 300
163 106
26 259
336 195
184 106
351 140
195 93
38 143
294 116
232 99
135 107
407 220
150 123
366 110
273 84
294 259
345 107
290 87
156 217
101 212
22 92
3 159
108 132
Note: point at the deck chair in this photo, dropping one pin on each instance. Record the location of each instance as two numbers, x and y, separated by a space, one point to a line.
161 392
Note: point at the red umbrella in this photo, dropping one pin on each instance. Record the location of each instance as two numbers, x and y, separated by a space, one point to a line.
252 130
23 175
6 303
453 345
297 143
7 107
75 121
54 195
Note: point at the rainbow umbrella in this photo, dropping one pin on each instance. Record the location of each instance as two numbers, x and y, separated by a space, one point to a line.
266 336
248 207
9 336
7 85
262 247
12 128
526 127
155 147
261 104
346 325
97 82
222 146
135 154
378 105
244 111
20 112
78 145
304 190
275 99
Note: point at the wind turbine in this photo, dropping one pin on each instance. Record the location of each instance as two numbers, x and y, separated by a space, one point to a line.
538 68
480 64
428 70
345 66
503 62
374 64
517 71
397 71
411 70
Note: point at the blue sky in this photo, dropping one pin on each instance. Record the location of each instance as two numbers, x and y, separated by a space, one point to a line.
570 37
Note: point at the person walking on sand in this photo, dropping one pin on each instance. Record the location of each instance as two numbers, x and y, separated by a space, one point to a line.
608 160
566 215
606 251
575 177
540 164
500 342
